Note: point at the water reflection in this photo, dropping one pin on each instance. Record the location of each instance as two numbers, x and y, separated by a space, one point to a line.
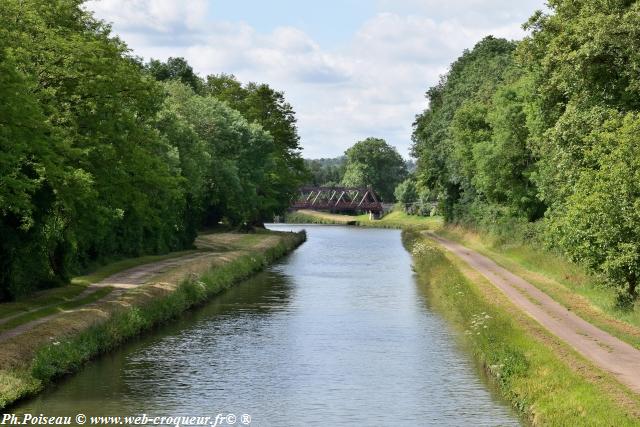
336 334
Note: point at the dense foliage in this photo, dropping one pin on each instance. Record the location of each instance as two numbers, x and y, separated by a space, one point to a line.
545 131
98 159
373 162
326 172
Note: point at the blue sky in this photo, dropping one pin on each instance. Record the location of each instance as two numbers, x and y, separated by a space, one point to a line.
327 23
351 69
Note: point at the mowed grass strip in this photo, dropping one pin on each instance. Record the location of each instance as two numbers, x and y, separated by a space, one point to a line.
110 269
548 382
59 308
50 301
399 219
395 219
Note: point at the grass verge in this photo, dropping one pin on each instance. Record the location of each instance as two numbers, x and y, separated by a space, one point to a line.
395 219
399 219
125 264
25 373
315 217
543 378
49 310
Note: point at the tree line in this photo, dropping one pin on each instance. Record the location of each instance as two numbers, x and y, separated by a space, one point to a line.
541 136
104 156
370 162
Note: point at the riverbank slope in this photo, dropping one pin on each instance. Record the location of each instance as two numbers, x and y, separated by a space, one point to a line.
542 376
553 367
66 340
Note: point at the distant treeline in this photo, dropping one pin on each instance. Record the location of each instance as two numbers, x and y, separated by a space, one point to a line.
102 156
326 172
542 136
370 162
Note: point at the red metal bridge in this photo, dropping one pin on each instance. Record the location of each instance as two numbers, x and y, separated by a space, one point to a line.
338 199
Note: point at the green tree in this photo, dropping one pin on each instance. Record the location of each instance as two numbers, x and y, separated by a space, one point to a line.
325 171
445 133
27 165
175 69
599 225
545 127
505 163
104 182
373 162
233 158
100 160
267 107
599 40
406 193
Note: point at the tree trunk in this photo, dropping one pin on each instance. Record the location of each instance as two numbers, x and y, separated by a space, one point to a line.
632 284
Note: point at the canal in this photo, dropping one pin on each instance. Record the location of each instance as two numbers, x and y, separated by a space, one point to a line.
337 333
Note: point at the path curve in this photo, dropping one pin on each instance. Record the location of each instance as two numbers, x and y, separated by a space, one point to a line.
603 349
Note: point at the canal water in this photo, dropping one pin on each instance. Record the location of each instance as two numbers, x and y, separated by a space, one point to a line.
337 333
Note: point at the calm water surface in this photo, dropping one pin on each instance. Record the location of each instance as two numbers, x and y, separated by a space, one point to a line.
337 333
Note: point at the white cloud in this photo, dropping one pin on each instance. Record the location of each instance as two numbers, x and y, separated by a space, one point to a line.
157 15
373 85
486 14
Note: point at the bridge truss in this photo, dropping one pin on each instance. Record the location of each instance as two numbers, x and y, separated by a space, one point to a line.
338 199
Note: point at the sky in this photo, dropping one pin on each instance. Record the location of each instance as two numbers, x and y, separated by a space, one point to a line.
351 69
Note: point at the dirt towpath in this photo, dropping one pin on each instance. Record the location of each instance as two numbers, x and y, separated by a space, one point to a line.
121 281
604 350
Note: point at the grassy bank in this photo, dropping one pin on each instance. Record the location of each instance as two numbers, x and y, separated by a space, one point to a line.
542 377
33 359
395 219
564 281
315 217
399 219
50 301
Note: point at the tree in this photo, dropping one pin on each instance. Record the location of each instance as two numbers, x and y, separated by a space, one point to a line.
324 172
406 192
373 162
546 128
91 176
175 69
599 225
27 164
234 158
100 160
505 164
445 133
261 104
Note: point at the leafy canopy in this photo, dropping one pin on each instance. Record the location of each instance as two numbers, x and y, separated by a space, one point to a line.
373 162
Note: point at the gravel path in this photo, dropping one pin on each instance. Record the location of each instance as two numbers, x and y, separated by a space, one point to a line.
604 350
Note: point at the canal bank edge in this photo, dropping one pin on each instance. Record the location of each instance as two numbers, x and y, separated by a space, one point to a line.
544 379
24 374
